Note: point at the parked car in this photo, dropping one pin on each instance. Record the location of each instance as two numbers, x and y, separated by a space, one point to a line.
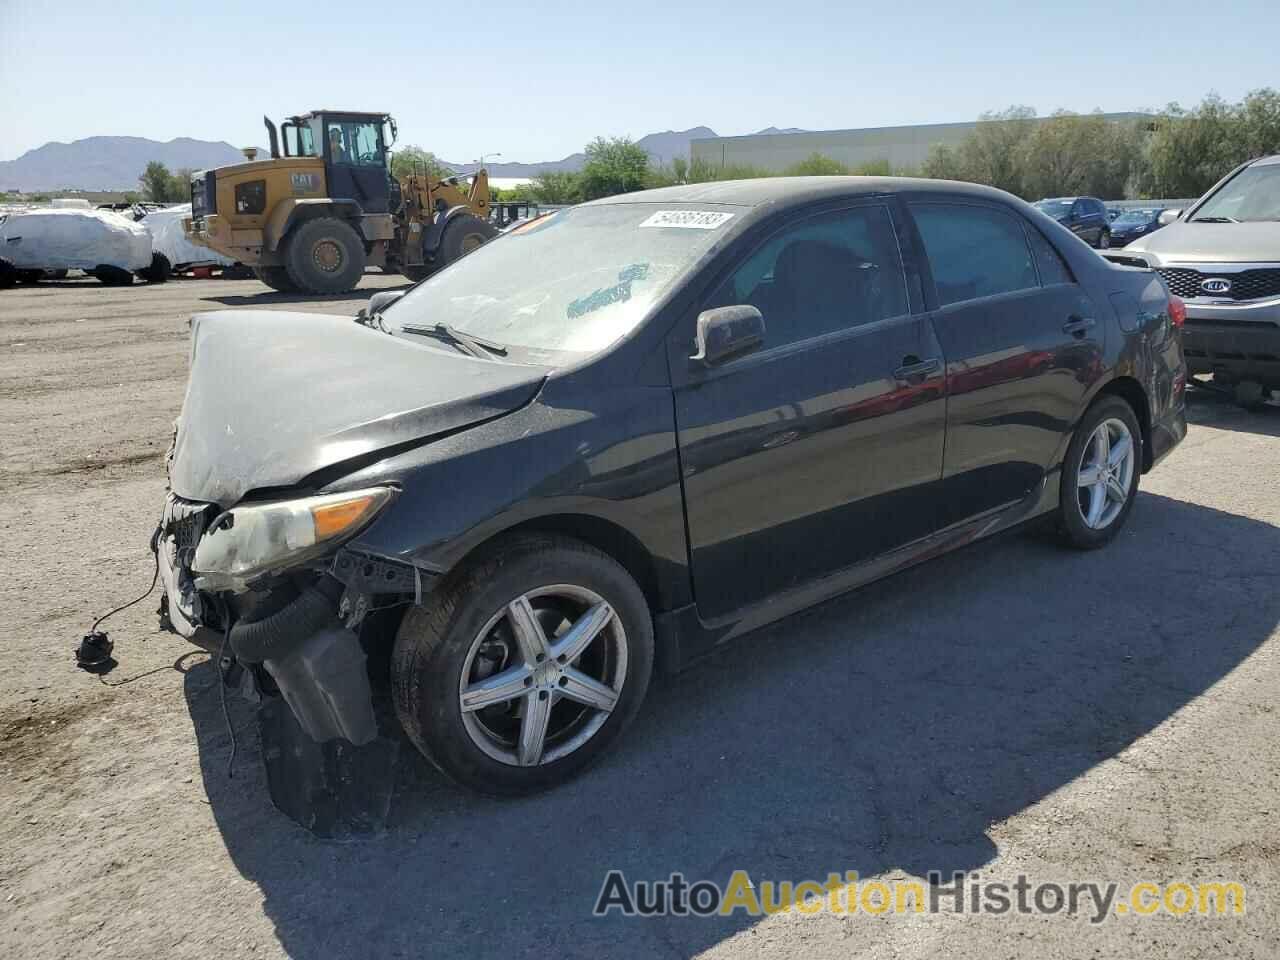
41 242
174 252
1134 223
1086 217
1222 256
634 430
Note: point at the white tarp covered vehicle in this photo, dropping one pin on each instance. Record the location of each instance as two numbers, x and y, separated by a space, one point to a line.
170 241
111 247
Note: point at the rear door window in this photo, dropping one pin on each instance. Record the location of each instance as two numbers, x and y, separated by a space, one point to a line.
821 275
1053 269
974 251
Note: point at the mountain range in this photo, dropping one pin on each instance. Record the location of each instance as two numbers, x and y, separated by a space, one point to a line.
115 163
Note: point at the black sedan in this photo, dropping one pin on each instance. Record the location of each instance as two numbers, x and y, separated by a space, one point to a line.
1134 223
626 433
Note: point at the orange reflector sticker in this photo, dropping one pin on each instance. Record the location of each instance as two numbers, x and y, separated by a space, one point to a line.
333 518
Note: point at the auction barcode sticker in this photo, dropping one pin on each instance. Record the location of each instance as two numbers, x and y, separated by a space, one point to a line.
689 219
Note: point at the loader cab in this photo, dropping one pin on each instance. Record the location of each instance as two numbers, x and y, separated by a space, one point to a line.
354 147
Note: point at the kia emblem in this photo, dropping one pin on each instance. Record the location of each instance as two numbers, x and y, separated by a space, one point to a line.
1216 285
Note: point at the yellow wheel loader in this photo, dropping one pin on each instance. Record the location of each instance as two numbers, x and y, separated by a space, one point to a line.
325 206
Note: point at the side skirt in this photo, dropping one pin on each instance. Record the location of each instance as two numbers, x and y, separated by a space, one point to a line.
683 637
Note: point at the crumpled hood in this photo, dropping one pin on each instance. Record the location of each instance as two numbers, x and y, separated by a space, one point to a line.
1183 242
273 397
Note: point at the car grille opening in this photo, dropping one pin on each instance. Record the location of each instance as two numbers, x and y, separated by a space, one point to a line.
1245 284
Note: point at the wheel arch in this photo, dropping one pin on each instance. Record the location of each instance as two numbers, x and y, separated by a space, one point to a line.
607 536
288 214
1128 389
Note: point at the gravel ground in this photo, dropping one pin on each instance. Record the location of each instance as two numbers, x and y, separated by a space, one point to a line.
1012 709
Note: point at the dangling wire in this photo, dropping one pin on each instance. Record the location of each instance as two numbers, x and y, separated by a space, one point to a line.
222 689
155 576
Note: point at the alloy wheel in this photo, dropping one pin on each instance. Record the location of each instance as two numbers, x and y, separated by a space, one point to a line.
1105 476
543 675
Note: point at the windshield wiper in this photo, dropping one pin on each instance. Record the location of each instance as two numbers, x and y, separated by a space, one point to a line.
1214 220
475 346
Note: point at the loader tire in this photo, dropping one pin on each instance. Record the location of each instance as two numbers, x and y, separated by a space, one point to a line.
419 272
324 255
464 233
277 278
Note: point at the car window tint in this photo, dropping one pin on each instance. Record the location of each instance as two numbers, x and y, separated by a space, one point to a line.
974 251
824 274
1053 269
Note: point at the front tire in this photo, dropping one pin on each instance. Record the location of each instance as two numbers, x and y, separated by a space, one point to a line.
1100 474
324 256
277 278
525 667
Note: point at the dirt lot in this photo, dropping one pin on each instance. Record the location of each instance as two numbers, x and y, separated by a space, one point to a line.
1013 709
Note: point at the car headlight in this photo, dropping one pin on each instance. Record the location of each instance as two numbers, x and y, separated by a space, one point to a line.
258 537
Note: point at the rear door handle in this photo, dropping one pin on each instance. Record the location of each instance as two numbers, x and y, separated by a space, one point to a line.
914 370
1078 326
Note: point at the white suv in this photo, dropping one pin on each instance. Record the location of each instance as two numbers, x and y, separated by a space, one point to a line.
1222 256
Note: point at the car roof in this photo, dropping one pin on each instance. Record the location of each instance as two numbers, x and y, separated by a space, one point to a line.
1266 161
793 191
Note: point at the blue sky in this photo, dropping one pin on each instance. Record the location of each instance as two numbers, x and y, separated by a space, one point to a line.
537 80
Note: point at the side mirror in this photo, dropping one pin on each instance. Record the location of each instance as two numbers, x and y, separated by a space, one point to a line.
727 333
1169 216
380 301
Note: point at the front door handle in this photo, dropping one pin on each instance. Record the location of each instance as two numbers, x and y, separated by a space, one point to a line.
1079 326
913 369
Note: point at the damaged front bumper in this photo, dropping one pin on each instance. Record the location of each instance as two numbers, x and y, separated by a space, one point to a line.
294 632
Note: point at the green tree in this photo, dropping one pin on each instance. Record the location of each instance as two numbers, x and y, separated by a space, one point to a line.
161 186
816 165
1190 150
877 168
943 163
180 186
409 160
555 186
613 166
991 153
1069 154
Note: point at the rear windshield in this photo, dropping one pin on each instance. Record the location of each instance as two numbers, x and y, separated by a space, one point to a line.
1054 208
570 283
1253 194
1137 216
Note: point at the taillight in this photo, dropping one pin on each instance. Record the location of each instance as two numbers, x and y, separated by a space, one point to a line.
1177 310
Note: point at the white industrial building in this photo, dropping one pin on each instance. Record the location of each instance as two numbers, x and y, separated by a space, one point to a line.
903 147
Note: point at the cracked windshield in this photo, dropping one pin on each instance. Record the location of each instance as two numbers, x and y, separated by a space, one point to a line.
570 283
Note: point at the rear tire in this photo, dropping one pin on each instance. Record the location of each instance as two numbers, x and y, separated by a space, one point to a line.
277 278
469 634
324 256
159 270
1250 394
1094 503
113 276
